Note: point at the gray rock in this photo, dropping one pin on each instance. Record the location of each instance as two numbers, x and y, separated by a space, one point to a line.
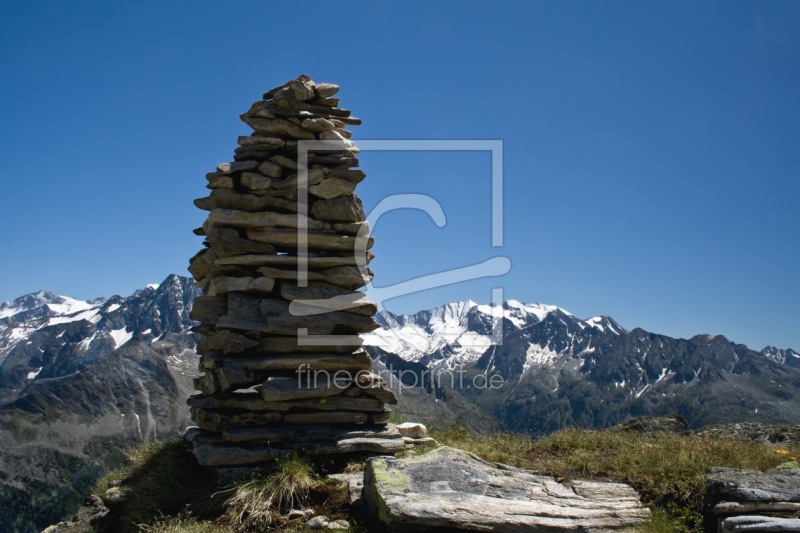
282 345
328 296
290 261
753 432
268 168
448 488
355 176
313 176
255 181
332 188
278 127
226 242
261 141
756 524
339 525
284 162
318 522
354 482
772 509
324 90
353 228
288 238
208 309
221 420
731 484
324 362
228 199
413 430
202 262
310 433
225 342
342 209
291 389
223 182
226 284
263 219
317 125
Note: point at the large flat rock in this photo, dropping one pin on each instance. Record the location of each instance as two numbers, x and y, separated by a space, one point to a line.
756 524
449 488
734 485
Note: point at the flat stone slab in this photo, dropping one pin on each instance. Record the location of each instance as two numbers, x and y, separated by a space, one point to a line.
757 524
449 488
734 485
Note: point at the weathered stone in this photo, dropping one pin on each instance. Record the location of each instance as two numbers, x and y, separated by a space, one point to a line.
225 342
324 90
347 277
294 389
380 391
259 109
270 169
758 524
271 93
318 522
278 127
322 293
256 181
380 418
281 345
335 417
230 168
227 379
250 401
333 161
317 125
731 484
413 430
267 141
344 142
284 162
354 482
332 188
753 432
243 313
327 102
341 131
225 284
338 525
201 263
767 508
226 242
356 362
221 420
287 107
425 441
313 176
448 488
342 209
310 433
264 219
288 274
227 199
354 228
302 89
290 261
223 182
280 320
208 309
205 204
288 239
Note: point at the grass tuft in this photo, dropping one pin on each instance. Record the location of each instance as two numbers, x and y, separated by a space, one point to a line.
257 502
506 448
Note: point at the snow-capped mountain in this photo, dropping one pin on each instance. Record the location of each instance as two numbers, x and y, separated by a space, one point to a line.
783 357
46 336
458 334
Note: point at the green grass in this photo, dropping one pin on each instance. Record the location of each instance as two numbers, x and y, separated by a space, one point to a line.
669 471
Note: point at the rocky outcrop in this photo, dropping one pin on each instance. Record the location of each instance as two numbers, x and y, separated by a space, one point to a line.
648 425
449 488
748 500
285 254
753 431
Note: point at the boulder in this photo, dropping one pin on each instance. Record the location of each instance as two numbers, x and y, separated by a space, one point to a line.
452 489
734 485
413 430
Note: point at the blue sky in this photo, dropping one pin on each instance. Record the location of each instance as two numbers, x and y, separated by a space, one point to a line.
652 149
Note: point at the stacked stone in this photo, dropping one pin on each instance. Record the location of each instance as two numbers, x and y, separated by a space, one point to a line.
262 389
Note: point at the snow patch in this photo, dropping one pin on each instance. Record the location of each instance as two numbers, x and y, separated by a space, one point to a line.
120 336
32 375
112 308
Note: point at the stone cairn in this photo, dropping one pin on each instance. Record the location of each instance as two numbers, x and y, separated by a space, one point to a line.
264 391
